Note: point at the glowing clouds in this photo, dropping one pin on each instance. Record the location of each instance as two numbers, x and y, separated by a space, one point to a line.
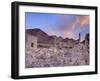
82 21
67 34
53 33
69 27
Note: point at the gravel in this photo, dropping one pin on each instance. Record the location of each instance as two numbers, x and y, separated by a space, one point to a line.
53 57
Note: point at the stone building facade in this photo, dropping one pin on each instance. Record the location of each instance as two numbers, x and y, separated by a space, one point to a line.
31 41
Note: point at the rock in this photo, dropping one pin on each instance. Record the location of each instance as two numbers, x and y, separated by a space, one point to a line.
50 57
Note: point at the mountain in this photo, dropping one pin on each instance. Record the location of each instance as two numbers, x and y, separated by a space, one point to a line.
41 35
36 32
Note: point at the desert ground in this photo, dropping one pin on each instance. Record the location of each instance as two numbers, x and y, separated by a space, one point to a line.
54 57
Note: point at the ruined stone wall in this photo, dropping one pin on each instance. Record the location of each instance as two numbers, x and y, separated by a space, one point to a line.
31 41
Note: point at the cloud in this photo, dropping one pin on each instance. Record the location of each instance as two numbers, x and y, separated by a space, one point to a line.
67 24
72 22
67 34
53 33
80 21
84 21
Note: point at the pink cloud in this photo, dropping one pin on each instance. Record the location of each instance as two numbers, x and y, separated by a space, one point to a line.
53 33
82 21
67 34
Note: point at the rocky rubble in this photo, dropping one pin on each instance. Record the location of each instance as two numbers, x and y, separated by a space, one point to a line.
53 57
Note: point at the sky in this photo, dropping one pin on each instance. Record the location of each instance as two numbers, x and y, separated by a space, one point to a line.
64 25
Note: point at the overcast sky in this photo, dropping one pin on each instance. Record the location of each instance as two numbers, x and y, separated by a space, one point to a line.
64 25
